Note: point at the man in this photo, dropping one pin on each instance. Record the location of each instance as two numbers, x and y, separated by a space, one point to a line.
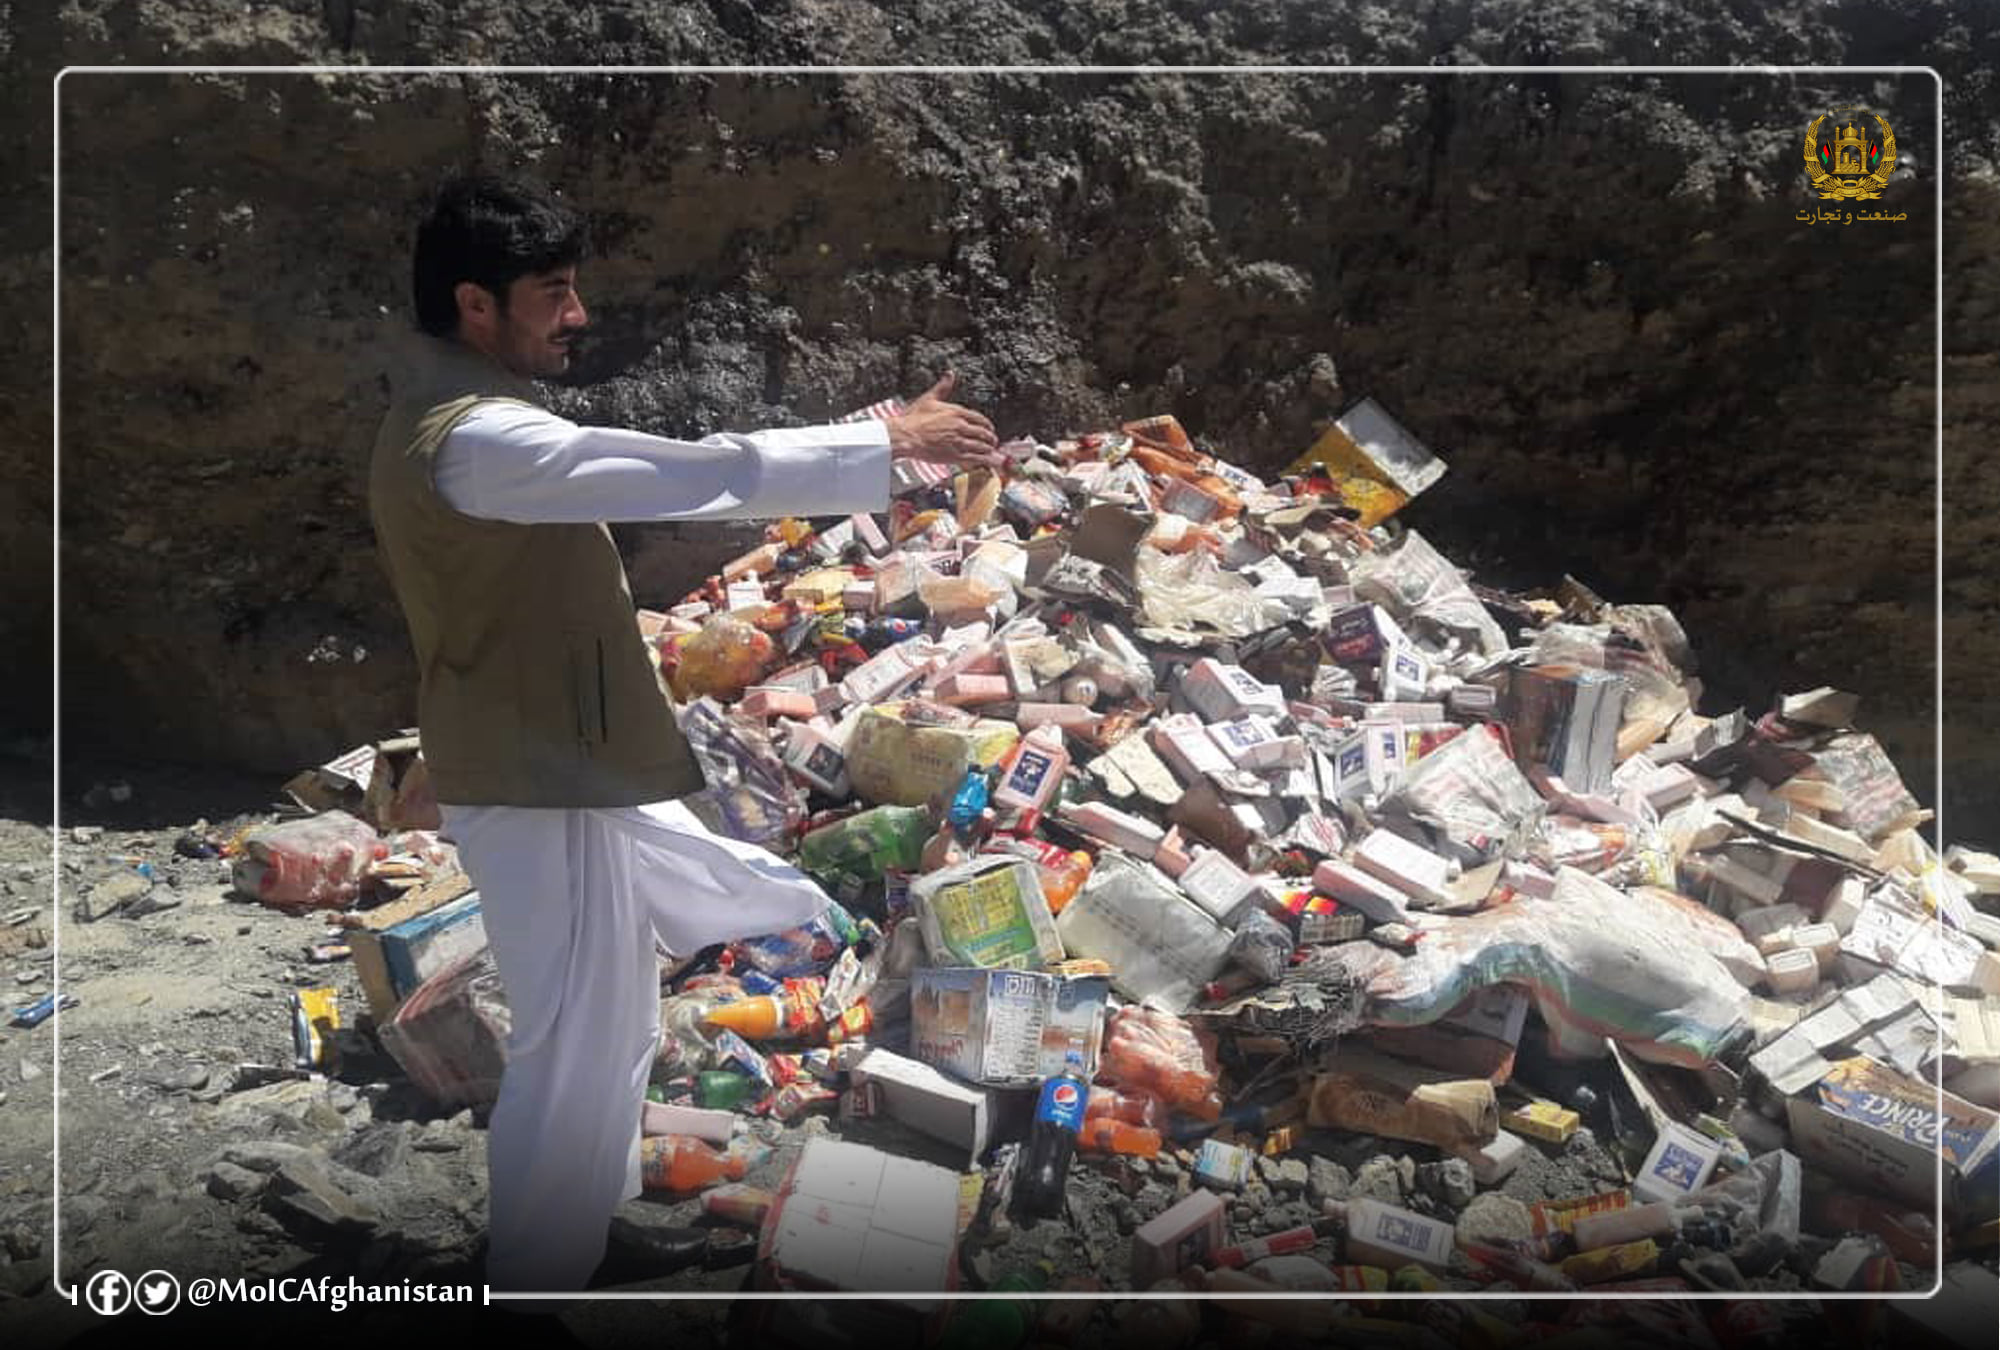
556 758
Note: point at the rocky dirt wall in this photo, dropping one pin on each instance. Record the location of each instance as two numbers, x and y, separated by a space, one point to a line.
1589 293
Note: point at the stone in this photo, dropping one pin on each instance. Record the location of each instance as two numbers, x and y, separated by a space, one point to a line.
191 1078
1293 1176
1326 1180
1379 1179
227 1181
1267 1169
265 1155
1450 1182
305 1194
1494 1219
1256 1196
378 1150
439 1137
109 896
154 901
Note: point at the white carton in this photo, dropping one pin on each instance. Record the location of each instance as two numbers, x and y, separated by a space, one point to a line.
1383 1235
1219 886
850 1217
1160 944
1678 1166
1409 867
1353 887
1220 692
928 1101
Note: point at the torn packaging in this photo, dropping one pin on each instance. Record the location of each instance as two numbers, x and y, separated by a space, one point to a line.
1597 960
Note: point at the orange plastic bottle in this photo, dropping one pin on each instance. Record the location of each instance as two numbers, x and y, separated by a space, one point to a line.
1106 1134
1134 1108
763 1017
1157 1052
679 1162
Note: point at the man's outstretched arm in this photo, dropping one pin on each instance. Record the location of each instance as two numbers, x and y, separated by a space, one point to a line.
508 461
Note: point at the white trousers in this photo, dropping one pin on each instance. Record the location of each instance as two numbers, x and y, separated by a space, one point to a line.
572 900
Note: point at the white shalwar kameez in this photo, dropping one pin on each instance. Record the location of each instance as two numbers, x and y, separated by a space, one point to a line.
573 898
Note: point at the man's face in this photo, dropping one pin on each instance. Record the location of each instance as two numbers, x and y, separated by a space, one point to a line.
542 314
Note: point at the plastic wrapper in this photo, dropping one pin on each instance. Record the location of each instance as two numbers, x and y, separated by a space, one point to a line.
1161 946
1468 799
1191 593
889 759
1151 1051
1630 968
1133 1107
727 656
750 795
450 1036
1262 946
315 863
805 950
1414 581
849 855
1654 689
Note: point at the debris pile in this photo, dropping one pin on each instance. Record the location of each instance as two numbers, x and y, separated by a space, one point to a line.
1401 934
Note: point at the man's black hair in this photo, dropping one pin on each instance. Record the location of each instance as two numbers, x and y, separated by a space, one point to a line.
489 229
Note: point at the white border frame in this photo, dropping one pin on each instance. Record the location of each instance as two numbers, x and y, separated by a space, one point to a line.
1939 167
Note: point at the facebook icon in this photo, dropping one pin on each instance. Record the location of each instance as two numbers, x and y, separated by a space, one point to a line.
108 1292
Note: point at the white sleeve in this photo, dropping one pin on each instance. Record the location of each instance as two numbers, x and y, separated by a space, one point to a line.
510 461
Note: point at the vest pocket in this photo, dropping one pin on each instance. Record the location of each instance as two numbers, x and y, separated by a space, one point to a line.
586 683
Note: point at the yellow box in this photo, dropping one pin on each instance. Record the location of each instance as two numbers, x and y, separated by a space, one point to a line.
1376 463
1543 1120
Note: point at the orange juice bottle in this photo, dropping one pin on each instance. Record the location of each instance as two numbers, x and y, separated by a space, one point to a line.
679 1162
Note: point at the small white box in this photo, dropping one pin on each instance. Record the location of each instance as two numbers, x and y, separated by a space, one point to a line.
1354 888
1678 1166
1219 886
1220 692
1389 857
1383 1235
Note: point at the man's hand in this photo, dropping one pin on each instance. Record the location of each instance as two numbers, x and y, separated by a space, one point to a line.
943 433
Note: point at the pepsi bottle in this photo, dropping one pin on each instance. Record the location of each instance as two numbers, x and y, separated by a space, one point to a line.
1052 1142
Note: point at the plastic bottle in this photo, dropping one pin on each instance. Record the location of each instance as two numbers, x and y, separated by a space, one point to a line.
1032 770
679 1162
1062 872
1058 1117
969 802
995 1323
795 1012
1134 1108
1103 1134
1157 1052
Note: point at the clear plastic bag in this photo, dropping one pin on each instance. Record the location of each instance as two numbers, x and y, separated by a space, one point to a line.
1414 581
728 655
315 863
1148 1050
1262 946
1191 591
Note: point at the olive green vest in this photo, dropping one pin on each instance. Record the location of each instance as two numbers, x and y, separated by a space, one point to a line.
536 688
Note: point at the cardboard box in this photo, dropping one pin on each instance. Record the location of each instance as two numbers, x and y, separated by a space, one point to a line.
987 912
1368 1093
402 944
928 1101
1181 1236
1565 719
852 1218
1881 1130
1005 1028
1373 460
